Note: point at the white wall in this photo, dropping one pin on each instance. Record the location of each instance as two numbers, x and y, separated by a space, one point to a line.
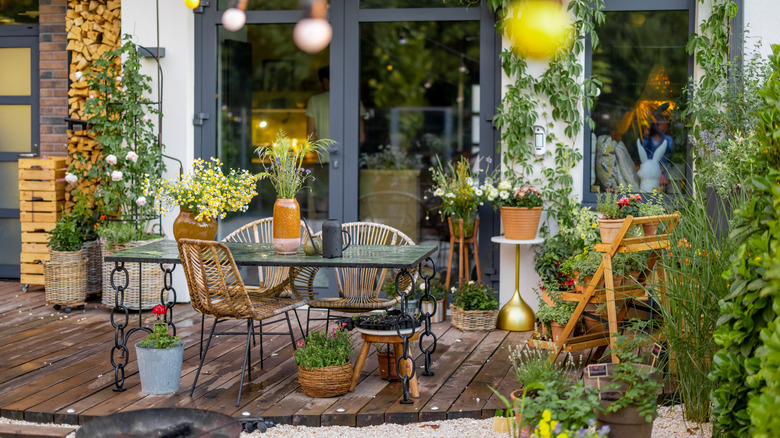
761 21
177 32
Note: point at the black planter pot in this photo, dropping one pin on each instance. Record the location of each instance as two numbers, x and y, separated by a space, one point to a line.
625 422
387 322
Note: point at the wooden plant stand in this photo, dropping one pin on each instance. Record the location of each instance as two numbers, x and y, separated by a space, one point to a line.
397 342
608 294
463 252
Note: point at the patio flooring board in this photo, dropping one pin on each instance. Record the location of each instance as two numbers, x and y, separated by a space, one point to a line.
55 367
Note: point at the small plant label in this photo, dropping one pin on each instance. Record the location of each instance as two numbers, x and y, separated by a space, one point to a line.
598 370
657 350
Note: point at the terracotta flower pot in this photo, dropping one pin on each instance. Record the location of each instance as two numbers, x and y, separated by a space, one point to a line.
520 223
592 325
287 226
386 365
186 227
517 397
624 422
609 229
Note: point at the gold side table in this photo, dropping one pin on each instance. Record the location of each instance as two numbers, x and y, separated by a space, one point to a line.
516 315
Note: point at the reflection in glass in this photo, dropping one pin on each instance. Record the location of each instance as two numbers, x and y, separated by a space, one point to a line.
15 74
419 86
10 233
19 12
639 138
264 84
393 4
262 5
15 125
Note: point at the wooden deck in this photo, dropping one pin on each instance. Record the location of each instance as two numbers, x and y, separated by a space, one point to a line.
55 368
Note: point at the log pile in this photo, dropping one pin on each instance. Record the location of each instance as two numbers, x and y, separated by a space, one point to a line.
94 28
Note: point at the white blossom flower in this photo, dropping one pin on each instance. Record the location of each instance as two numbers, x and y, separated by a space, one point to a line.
116 175
492 193
145 118
422 286
111 159
131 156
450 195
78 75
70 178
504 186
438 192
469 181
478 192
141 201
503 194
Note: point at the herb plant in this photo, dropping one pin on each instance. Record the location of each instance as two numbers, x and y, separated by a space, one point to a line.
66 235
438 291
474 296
531 365
321 349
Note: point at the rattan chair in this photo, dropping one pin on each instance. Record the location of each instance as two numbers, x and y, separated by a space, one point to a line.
216 289
261 231
359 288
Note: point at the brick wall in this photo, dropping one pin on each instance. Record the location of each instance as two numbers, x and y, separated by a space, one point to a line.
54 77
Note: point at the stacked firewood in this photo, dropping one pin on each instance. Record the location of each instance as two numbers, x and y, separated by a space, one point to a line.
94 28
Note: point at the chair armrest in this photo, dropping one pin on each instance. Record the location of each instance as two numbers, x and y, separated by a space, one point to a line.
301 281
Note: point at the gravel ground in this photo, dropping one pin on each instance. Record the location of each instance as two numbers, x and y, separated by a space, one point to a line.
669 424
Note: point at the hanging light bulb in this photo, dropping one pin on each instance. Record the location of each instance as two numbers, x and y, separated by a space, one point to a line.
538 28
192 4
234 18
313 33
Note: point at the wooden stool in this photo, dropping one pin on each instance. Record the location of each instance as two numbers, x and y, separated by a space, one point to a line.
463 252
397 342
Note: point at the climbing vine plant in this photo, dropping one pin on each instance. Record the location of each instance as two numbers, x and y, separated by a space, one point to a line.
557 96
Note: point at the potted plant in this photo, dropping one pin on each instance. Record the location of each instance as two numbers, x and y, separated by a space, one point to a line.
460 193
438 292
324 366
65 274
615 207
160 357
629 391
283 161
474 307
66 240
554 317
582 267
386 321
389 187
385 356
653 205
575 408
411 300
203 195
521 210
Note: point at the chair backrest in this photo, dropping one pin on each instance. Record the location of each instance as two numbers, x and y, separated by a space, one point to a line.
261 231
212 276
360 283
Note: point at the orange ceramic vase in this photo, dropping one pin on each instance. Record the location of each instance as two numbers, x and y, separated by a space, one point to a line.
186 227
287 226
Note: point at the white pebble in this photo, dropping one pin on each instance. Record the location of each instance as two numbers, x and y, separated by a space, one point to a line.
477 399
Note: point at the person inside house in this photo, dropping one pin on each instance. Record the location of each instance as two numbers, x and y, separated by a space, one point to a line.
318 110
656 135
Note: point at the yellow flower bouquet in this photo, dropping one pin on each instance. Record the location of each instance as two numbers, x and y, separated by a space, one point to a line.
205 190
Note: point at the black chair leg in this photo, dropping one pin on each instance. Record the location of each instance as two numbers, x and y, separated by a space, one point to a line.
327 321
250 327
261 345
246 359
203 356
308 318
289 326
300 326
202 322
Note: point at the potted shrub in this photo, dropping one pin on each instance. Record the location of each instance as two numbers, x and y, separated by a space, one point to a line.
653 205
324 366
460 193
438 292
629 392
554 317
160 357
65 274
582 267
615 207
574 407
474 307
521 210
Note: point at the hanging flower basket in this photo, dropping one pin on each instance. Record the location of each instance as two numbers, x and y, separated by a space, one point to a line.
521 223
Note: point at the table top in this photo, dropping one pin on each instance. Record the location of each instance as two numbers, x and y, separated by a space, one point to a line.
263 254
502 239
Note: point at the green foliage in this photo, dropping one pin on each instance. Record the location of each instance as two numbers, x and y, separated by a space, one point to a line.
390 158
547 261
585 264
159 337
636 385
619 203
116 232
534 366
474 296
559 312
122 120
458 188
652 204
575 407
438 291
66 235
321 349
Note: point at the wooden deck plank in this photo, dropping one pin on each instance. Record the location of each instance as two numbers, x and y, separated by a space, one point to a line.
27 431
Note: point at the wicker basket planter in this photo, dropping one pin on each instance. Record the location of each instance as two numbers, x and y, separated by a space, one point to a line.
152 279
521 223
94 266
326 381
66 256
66 283
472 320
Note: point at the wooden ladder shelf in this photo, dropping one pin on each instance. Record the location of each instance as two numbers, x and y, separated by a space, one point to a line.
607 294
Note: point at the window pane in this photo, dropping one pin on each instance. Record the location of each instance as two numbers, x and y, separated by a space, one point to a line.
393 4
263 5
419 89
15 74
18 12
264 84
10 233
9 178
644 68
15 125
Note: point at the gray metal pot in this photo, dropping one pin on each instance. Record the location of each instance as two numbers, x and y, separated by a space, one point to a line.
160 368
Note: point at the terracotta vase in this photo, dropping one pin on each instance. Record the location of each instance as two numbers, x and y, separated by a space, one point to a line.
520 223
287 226
608 228
186 227
517 400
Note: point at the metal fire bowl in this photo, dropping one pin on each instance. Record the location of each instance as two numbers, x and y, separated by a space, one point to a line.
162 423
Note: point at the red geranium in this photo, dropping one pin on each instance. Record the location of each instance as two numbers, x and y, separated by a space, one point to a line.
159 310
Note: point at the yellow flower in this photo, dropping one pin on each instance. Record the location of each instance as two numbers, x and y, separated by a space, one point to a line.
563 435
593 225
546 415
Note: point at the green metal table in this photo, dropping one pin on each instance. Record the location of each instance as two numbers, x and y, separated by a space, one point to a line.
166 252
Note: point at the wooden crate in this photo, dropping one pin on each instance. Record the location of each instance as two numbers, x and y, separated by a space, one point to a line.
41 199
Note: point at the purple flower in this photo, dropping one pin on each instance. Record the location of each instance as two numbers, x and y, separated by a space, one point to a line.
488 160
557 428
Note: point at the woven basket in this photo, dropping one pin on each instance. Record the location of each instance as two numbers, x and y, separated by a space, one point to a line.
152 279
472 320
326 381
521 223
94 266
66 256
66 283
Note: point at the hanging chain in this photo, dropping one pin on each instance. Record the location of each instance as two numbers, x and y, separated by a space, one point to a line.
406 334
119 328
427 315
165 295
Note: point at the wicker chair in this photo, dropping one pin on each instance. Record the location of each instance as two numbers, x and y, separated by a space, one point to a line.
359 287
261 231
216 290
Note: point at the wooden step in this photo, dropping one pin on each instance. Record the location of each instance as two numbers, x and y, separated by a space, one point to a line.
30 431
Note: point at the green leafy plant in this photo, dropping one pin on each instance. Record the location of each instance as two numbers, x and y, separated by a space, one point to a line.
284 163
532 365
159 338
117 232
652 204
474 296
458 187
575 407
66 235
618 204
321 349
559 312
390 158
438 291
584 264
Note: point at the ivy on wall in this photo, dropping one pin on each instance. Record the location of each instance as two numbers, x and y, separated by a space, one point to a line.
557 96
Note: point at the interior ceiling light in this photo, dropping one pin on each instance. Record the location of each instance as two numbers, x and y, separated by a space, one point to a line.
313 32
233 19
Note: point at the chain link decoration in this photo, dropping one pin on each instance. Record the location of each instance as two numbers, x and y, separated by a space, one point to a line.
427 315
119 328
403 317
165 292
